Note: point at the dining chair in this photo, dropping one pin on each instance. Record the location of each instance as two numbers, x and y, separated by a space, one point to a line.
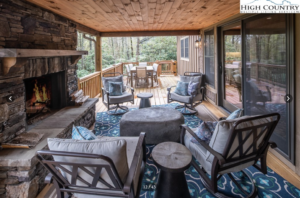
155 67
141 73
144 64
128 70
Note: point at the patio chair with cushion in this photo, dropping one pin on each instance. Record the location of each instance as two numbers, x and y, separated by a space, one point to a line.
141 74
189 100
106 167
235 145
108 98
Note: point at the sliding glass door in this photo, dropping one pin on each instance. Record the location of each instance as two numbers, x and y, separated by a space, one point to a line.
231 67
266 72
256 71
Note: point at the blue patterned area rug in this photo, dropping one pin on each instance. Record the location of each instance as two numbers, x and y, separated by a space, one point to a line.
269 186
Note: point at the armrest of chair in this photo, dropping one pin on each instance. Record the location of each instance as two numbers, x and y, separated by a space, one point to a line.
48 178
141 147
104 91
169 88
220 158
132 90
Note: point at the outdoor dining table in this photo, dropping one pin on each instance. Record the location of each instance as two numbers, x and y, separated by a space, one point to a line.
149 70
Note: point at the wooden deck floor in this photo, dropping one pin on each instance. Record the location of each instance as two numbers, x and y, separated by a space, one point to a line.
159 91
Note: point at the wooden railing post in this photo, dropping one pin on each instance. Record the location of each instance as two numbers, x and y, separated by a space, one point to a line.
98 63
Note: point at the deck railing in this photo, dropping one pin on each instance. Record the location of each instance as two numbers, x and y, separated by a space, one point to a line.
91 84
165 66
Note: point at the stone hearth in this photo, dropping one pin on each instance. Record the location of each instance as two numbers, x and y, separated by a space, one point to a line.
20 173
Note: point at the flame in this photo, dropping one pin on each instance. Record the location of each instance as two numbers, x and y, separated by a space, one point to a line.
45 93
40 95
37 93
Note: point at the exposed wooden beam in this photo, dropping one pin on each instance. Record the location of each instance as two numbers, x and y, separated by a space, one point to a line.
150 33
87 30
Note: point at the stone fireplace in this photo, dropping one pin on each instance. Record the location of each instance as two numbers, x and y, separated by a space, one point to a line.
36 97
37 53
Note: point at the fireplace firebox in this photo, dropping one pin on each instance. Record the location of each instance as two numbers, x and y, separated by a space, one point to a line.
44 96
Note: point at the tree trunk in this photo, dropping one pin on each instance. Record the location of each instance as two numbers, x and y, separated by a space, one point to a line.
137 49
112 47
127 49
131 47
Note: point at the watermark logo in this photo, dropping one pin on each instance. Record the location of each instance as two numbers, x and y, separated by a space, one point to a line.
270 6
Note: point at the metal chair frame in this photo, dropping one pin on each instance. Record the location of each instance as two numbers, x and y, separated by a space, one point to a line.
186 106
116 105
224 161
65 188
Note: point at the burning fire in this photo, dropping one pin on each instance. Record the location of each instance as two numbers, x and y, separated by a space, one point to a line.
40 95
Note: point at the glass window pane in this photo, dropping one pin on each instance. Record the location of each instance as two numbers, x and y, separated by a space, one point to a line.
182 48
187 48
266 71
209 57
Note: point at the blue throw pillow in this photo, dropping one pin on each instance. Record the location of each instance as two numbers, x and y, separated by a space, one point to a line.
81 133
236 114
115 88
205 131
193 88
182 88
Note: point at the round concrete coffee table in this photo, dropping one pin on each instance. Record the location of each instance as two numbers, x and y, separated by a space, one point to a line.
145 102
172 159
161 124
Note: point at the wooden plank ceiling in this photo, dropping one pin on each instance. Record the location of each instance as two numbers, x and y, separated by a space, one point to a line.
143 15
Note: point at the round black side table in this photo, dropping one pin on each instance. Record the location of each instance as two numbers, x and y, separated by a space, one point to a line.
145 102
172 159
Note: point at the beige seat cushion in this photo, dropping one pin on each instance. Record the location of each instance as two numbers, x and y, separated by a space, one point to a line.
115 150
199 152
222 133
131 143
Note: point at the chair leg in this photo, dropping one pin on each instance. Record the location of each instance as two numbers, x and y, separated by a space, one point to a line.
187 109
116 108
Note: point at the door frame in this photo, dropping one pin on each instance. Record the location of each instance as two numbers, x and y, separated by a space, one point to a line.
221 64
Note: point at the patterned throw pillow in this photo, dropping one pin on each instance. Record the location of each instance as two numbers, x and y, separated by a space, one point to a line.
236 114
81 133
182 88
205 131
115 88
193 88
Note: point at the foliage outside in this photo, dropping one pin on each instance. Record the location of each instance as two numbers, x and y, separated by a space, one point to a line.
125 49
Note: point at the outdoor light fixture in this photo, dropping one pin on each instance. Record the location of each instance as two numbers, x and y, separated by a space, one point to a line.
198 43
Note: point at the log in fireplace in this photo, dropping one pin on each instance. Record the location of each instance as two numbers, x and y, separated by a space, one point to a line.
44 96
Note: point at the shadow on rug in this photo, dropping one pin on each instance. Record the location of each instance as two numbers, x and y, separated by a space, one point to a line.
269 186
